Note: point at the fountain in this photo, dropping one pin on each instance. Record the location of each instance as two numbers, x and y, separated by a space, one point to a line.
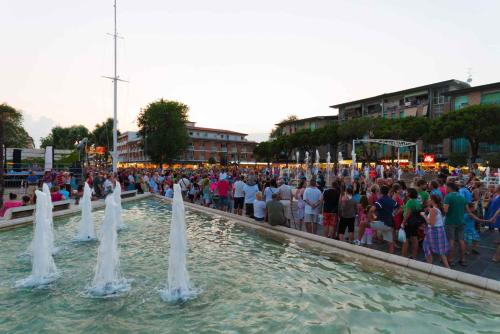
340 160
86 231
178 286
306 162
297 155
107 279
328 169
48 214
317 166
117 194
44 269
353 154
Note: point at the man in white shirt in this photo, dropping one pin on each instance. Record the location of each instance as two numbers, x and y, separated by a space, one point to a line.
312 198
250 190
184 184
285 195
238 196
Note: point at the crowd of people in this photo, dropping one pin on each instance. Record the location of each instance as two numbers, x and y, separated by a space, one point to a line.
433 216
363 208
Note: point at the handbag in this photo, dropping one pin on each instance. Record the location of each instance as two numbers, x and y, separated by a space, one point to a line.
401 235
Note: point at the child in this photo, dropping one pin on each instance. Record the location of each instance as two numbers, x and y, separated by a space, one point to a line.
435 241
470 233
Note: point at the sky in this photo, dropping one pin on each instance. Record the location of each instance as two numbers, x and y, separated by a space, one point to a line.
238 65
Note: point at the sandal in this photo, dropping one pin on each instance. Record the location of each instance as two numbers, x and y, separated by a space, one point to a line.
463 263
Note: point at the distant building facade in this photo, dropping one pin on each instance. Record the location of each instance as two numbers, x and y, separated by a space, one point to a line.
224 146
430 100
311 123
478 95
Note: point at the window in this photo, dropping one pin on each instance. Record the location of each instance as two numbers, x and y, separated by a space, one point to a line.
490 98
438 97
461 102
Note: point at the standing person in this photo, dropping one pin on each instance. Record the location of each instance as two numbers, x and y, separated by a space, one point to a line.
271 189
385 207
330 210
411 223
97 183
347 214
465 192
223 191
455 207
285 196
312 198
299 196
423 195
471 234
185 184
205 190
249 190
275 211
435 241
238 195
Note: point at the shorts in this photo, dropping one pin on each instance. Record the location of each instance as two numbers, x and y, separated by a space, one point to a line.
454 232
223 201
411 230
384 229
238 202
311 218
249 209
329 219
346 223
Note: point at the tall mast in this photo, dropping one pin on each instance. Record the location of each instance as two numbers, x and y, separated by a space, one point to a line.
115 106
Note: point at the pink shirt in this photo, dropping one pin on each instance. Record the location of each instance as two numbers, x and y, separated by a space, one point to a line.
223 187
8 205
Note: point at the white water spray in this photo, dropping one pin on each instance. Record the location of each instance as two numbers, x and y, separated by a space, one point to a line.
107 279
44 269
117 194
178 286
306 162
86 230
49 215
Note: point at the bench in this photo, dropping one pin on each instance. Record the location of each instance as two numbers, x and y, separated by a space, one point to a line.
129 193
28 210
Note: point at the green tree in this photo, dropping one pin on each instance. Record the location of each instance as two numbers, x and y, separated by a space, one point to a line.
65 137
102 135
162 125
477 123
264 151
14 133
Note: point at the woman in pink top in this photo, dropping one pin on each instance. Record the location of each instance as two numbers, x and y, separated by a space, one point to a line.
11 203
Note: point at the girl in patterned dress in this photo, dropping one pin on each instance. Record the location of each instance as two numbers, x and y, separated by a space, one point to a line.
435 241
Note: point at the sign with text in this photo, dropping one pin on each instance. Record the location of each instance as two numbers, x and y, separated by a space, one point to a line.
429 158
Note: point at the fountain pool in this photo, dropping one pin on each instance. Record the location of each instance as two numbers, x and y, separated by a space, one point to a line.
247 283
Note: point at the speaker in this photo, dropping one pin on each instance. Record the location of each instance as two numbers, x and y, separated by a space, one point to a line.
16 159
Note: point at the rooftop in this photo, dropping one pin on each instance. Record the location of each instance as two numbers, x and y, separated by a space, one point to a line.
494 85
197 128
404 91
328 117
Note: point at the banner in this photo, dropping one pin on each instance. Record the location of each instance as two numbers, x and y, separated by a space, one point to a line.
49 157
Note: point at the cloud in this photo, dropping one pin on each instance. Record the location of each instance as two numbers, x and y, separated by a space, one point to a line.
38 127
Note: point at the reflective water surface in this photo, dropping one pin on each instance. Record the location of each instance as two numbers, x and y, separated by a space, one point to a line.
247 284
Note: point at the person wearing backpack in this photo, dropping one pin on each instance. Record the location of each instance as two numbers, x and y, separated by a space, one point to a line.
411 223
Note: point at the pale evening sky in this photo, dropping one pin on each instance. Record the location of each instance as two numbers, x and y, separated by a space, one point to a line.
239 65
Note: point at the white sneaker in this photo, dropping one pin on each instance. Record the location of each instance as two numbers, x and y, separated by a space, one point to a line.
357 242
